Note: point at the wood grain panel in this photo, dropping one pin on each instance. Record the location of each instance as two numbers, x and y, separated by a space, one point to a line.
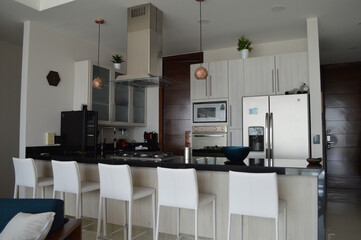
341 85
343 100
177 112
353 127
348 168
346 140
177 126
175 102
343 114
344 154
180 97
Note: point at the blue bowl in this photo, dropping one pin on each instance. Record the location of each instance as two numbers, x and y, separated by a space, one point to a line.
235 154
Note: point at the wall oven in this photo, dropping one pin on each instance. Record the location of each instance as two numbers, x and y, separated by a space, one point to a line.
210 112
206 137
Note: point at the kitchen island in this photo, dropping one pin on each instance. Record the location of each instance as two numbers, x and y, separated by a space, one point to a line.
300 184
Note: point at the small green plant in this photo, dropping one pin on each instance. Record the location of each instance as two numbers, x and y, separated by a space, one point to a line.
117 58
244 43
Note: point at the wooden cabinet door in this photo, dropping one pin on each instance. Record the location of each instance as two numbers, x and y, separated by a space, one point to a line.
291 71
236 92
259 76
218 79
199 88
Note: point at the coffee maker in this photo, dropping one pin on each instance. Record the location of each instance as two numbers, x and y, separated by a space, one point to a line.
151 138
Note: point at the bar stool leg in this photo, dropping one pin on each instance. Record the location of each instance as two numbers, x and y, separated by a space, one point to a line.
229 226
157 230
196 224
241 227
125 220
177 223
99 216
130 221
153 214
105 216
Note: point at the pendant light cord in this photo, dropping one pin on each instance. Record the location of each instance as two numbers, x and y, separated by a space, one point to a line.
98 45
200 25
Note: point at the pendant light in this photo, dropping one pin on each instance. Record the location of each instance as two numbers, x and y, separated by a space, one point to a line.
201 72
98 82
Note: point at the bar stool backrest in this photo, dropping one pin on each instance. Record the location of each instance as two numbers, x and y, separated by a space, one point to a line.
253 194
115 181
177 188
25 172
66 176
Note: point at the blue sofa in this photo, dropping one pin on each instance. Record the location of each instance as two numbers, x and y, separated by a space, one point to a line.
62 228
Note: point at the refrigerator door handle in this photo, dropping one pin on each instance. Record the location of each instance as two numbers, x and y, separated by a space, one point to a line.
266 136
271 135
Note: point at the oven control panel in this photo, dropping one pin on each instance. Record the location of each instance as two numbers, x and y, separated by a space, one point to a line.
208 129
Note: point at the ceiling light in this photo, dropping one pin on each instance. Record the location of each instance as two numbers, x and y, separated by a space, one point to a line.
278 8
201 72
98 82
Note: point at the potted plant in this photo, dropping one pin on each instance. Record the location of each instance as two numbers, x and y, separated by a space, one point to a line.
117 59
244 46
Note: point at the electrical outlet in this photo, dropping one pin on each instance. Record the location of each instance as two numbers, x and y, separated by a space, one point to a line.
49 138
316 139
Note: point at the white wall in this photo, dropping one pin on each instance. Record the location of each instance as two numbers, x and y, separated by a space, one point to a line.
44 50
10 69
262 49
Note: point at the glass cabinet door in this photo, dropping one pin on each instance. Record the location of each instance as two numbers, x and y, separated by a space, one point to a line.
138 105
121 101
100 97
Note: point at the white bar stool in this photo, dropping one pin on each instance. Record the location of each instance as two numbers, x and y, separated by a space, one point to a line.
255 194
26 175
67 179
179 188
116 183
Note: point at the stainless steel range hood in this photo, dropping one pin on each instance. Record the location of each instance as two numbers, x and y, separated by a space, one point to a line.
144 48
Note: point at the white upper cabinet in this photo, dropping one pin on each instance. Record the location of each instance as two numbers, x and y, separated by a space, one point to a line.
291 71
275 74
216 84
236 92
259 76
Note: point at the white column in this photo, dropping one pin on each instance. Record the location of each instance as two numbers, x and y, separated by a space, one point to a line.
315 86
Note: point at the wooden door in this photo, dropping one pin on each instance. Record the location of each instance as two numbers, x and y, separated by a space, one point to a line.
175 108
341 84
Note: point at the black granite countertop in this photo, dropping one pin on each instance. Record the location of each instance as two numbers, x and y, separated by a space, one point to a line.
280 166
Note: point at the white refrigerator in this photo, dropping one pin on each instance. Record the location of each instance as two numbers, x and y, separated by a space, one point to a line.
277 127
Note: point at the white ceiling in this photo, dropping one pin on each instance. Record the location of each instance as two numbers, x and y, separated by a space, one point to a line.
339 23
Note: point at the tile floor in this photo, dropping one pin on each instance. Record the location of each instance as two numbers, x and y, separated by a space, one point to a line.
343 219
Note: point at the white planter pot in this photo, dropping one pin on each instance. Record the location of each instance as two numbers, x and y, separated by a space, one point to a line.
244 53
117 65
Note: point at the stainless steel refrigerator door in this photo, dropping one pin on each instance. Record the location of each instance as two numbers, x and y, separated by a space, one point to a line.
254 114
290 138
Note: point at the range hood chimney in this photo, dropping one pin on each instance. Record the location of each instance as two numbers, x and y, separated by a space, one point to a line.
144 48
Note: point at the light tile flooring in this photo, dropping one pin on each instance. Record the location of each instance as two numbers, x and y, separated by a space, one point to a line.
343 219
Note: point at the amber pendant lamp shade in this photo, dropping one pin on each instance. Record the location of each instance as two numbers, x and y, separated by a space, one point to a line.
97 81
201 72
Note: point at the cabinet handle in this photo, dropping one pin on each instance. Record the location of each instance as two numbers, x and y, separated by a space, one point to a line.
230 139
273 84
230 115
278 81
210 85
206 87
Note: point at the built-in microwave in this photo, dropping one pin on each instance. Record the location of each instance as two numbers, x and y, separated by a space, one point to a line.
210 112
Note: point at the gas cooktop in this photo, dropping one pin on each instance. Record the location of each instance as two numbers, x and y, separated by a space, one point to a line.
145 156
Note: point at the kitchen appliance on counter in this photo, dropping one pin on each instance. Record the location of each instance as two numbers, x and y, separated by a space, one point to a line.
210 112
277 127
79 131
145 156
151 138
